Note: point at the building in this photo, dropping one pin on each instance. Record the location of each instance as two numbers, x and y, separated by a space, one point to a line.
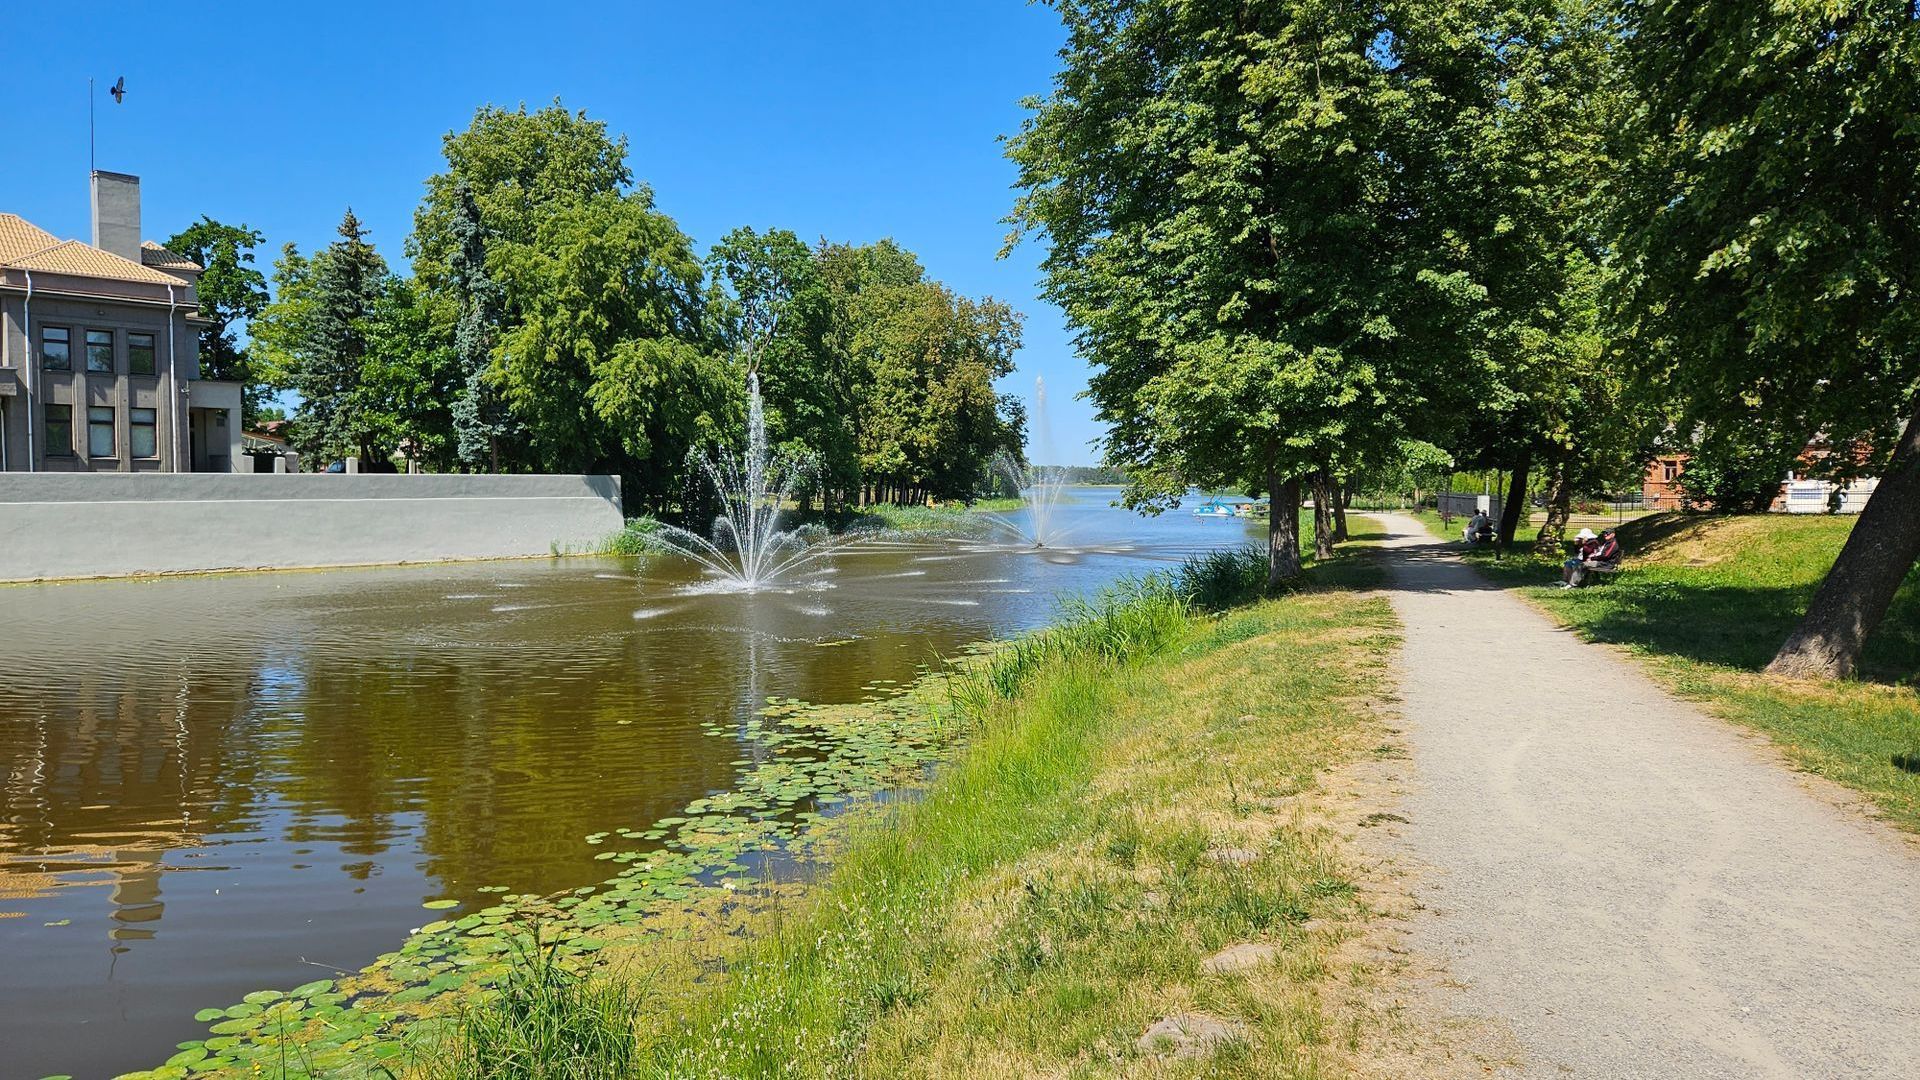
99 351
1660 489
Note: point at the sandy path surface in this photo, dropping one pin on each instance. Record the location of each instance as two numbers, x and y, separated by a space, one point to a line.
1631 887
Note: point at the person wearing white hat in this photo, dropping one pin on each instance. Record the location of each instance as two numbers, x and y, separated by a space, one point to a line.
1590 552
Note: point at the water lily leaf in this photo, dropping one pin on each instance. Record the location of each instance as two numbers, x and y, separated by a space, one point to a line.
209 1015
263 997
440 905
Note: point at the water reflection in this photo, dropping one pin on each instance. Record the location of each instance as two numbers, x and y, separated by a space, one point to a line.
213 785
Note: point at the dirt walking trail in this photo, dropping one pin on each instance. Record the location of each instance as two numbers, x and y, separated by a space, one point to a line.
1630 887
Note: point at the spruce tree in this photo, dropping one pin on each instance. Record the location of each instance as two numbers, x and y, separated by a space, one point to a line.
480 418
344 285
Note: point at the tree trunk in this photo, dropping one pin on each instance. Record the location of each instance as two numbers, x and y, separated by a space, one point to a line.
1342 495
1322 517
1857 591
1559 507
1283 528
1516 501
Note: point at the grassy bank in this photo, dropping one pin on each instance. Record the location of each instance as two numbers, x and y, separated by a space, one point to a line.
1706 599
1124 813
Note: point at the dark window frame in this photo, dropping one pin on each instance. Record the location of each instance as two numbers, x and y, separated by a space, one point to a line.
50 425
151 348
66 348
88 344
111 423
135 426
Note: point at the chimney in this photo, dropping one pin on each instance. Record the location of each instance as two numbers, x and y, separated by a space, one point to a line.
116 214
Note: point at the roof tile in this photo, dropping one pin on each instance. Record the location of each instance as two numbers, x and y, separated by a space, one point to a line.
160 258
85 260
18 237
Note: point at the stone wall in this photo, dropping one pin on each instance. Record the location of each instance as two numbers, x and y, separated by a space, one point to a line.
68 525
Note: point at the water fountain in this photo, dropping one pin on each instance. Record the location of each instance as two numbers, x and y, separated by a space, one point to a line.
748 551
1041 488
1041 492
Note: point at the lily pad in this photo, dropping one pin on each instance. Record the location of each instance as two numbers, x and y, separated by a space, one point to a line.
440 905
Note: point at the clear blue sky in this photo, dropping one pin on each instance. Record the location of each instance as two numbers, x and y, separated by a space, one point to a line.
849 120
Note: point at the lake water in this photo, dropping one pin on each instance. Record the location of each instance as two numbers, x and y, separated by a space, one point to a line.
213 785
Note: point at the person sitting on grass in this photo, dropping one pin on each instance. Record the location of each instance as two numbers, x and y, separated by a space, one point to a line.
1590 553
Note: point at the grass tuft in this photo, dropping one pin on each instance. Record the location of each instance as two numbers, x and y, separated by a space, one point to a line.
545 1023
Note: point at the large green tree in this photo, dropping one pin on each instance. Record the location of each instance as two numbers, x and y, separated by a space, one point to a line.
932 420
232 291
1769 236
612 364
1229 194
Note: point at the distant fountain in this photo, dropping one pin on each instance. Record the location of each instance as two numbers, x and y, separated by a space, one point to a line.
1041 488
748 550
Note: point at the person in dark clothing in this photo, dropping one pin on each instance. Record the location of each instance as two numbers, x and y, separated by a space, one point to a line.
1590 553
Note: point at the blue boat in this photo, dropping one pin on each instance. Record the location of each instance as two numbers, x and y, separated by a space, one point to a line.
1213 508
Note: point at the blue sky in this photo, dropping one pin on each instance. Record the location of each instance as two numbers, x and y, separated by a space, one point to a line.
849 120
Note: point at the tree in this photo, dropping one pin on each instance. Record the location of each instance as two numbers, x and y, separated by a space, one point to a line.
775 313
1228 191
1769 239
411 379
479 416
315 337
933 419
518 167
612 364
231 291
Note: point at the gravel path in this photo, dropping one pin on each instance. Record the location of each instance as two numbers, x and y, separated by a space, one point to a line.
1633 888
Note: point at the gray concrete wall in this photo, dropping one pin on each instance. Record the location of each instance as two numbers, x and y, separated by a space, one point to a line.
66 525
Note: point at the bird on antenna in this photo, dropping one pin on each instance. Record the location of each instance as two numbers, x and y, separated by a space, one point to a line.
119 90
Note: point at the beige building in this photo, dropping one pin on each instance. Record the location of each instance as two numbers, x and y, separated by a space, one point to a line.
99 351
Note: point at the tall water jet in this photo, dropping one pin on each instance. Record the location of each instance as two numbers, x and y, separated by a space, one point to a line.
1041 488
748 550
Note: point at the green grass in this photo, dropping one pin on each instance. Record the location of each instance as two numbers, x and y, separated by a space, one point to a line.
544 1023
1053 893
636 538
1706 599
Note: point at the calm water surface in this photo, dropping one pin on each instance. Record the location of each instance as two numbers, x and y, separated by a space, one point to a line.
220 784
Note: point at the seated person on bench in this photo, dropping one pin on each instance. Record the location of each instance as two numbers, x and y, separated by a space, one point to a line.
1591 554
1479 528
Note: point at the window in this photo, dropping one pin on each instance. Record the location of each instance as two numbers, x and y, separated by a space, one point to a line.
144 441
100 350
140 354
54 342
100 431
59 431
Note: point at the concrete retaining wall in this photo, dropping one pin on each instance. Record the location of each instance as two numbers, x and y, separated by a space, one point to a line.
65 525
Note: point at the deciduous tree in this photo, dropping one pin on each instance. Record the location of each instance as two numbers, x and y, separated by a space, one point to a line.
1770 236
